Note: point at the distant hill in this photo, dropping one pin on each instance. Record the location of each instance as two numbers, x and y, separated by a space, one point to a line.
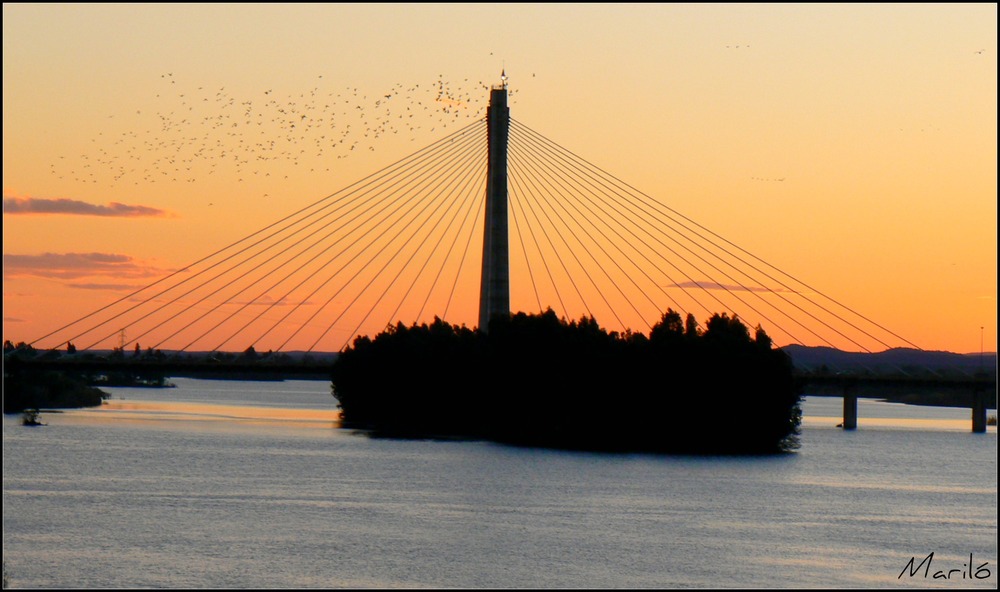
289 355
891 361
804 357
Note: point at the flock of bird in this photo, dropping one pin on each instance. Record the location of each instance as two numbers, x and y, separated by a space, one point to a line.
199 131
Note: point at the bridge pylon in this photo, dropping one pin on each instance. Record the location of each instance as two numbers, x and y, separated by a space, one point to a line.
494 289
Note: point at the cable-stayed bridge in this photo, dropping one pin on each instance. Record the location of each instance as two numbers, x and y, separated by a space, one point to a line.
493 218
405 244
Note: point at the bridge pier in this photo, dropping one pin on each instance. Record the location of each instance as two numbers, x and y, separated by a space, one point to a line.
949 391
979 410
850 408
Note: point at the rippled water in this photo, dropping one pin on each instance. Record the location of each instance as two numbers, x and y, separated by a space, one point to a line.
250 484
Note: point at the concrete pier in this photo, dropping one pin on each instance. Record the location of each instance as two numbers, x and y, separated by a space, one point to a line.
494 289
983 397
979 411
850 409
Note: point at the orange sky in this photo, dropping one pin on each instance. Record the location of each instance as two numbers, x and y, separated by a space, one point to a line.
852 146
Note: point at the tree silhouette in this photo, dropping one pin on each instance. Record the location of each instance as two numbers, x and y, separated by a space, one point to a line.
542 381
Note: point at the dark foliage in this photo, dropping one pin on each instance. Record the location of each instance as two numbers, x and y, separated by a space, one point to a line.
29 389
26 388
537 380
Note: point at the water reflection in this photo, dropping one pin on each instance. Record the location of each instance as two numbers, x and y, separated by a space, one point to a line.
893 422
872 413
229 484
136 411
132 405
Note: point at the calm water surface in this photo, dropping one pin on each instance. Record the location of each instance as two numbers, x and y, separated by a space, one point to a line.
219 484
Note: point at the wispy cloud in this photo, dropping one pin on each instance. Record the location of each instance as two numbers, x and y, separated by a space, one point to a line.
730 288
36 205
110 287
76 265
269 301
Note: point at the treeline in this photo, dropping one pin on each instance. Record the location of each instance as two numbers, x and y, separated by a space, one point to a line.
538 380
25 388
13 353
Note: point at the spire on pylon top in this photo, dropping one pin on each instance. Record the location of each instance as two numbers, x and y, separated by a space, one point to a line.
503 77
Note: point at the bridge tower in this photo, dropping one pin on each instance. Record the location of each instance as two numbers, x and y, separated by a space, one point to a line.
494 288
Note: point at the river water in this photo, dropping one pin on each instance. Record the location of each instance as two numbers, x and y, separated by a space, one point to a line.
224 484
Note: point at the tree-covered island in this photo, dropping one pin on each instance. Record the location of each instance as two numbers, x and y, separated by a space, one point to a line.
537 380
30 389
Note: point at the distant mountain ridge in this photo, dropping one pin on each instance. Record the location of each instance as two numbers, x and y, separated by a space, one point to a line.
813 358
805 358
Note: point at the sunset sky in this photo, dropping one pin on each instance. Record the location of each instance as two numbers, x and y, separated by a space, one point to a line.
853 145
